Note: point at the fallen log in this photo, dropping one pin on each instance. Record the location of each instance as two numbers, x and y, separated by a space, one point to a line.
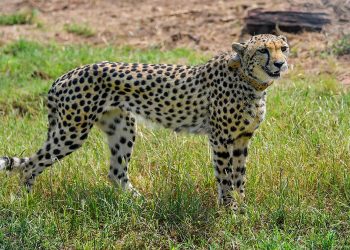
259 22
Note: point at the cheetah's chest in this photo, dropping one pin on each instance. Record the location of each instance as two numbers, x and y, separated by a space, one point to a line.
236 114
253 113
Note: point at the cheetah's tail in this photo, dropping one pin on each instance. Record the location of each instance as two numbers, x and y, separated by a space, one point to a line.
13 163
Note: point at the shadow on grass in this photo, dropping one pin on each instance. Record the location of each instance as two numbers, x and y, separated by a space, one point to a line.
178 213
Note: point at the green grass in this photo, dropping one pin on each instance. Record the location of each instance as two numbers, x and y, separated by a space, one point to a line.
25 17
80 30
298 191
342 46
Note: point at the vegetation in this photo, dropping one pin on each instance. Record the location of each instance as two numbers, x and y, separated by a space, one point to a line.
342 46
24 17
298 190
80 30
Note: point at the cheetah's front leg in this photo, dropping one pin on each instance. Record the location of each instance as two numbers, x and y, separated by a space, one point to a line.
229 162
239 156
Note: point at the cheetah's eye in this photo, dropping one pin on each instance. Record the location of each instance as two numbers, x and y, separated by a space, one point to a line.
284 48
263 51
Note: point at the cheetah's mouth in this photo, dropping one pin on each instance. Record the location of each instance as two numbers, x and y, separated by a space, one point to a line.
275 74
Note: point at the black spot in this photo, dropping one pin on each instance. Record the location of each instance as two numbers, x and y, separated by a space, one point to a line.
68 143
120 160
237 152
74 146
84 136
224 155
56 152
245 151
220 162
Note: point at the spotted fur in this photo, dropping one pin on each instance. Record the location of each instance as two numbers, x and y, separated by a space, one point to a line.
224 99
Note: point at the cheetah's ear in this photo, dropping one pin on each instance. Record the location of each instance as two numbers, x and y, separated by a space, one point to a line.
283 38
234 62
239 48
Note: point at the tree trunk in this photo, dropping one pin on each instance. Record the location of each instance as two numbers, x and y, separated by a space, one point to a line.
260 22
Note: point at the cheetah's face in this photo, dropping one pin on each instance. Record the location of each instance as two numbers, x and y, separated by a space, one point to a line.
263 57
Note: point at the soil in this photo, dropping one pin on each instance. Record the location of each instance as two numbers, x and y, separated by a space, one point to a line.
203 25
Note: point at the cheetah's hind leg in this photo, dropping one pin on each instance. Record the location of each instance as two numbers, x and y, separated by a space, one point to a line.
61 141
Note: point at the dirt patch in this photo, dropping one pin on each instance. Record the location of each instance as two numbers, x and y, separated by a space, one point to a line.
203 25
199 24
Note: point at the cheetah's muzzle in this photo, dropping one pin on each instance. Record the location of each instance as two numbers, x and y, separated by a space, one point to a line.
275 74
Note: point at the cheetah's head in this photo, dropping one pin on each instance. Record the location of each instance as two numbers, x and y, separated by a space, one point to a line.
263 57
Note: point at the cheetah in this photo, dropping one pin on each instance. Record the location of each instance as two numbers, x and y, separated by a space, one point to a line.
224 99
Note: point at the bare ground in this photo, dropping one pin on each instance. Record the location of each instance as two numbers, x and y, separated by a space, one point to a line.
203 25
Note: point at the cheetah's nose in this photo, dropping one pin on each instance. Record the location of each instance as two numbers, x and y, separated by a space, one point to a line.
278 64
